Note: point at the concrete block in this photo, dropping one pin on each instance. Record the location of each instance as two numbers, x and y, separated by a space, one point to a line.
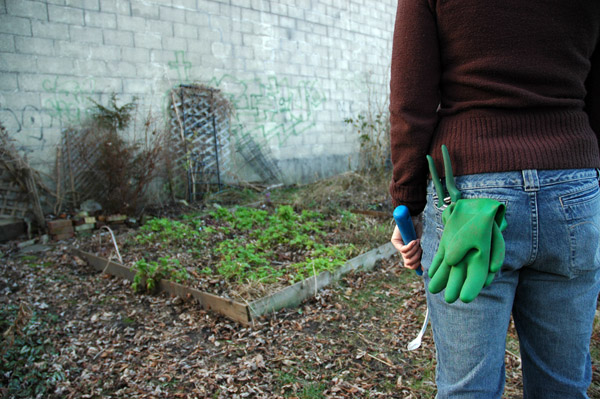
235 13
135 85
15 25
32 81
118 38
185 31
63 236
171 14
243 52
65 15
67 48
164 28
27 9
295 12
20 100
116 6
261 5
8 82
174 43
148 71
54 65
197 18
162 57
2 6
100 19
85 4
7 43
197 50
109 85
211 8
50 30
141 8
119 69
18 63
221 50
135 55
85 67
85 227
129 23
85 34
60 226
186 4
147 40
251 15
107 53
242 3
11 229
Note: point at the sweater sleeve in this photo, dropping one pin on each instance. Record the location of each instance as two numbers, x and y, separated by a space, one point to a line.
414 99
592 99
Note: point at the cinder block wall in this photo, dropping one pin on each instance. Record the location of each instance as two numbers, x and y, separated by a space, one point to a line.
292 69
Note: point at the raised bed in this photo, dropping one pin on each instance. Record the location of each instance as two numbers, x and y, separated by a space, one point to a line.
245 313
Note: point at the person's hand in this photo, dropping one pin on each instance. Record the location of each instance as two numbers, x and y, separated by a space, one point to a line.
411 253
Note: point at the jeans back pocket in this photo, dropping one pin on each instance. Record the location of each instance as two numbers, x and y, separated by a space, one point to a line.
582 214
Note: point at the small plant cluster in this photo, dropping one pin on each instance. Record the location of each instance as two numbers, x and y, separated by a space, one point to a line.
149 273
373 135
252 260
26 369
248 244
114 169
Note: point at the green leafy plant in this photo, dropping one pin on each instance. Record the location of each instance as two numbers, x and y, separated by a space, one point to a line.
26 369
149 273
167 231
245 243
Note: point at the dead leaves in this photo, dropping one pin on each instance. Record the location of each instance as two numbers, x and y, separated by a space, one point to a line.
348 342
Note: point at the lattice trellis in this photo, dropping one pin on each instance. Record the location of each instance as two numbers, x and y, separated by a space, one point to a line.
76 159
18 184
199 119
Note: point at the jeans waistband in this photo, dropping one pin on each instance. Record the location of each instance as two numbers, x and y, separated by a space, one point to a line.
529 180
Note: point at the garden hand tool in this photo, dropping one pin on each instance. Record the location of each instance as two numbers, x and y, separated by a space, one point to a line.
472 248
407 231
406 227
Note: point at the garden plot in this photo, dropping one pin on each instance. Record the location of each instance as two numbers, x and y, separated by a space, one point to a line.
243 262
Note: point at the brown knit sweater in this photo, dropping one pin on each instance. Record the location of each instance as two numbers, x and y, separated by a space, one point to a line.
505 84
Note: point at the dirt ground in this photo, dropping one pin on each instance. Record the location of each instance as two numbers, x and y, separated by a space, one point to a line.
71 332
98 339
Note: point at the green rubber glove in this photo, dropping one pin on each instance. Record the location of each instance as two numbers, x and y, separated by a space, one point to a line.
471 249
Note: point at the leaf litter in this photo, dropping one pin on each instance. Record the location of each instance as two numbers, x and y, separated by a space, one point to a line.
95 338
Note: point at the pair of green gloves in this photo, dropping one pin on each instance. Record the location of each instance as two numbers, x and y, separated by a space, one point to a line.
472 248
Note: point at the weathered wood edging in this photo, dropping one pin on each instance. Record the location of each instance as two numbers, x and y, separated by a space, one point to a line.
244 313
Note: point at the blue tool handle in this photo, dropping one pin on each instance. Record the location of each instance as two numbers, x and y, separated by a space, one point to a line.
406 227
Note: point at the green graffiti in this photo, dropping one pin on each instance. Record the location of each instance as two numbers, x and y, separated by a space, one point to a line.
69 99
181 66
272 109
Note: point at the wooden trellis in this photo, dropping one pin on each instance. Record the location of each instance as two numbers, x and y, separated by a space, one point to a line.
76 159
18 184
200 128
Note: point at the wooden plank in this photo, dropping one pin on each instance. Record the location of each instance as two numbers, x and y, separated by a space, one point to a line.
294 295
104 265
11 229
227 307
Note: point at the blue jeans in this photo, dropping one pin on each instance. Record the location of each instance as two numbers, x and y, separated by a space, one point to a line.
549 282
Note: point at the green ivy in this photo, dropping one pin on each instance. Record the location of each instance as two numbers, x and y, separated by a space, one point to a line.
26 369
